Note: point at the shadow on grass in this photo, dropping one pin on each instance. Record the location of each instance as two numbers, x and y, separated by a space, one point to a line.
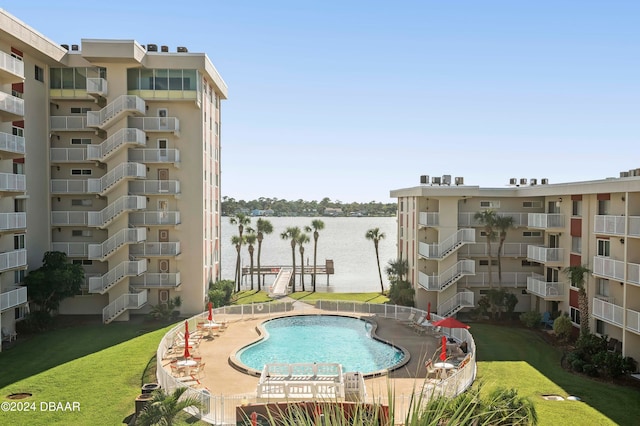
66 342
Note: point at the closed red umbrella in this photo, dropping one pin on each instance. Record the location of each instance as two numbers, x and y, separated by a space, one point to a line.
429 311
210 313
450 322
186 340
443 353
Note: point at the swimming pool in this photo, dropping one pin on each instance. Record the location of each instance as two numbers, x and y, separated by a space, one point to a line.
321 338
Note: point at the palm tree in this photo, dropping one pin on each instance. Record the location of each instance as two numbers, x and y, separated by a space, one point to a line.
241 220
576 275
263 227
316 225
163 408
397 269
376 235
301 240
291 233
503 223
250 239
237 243
487 219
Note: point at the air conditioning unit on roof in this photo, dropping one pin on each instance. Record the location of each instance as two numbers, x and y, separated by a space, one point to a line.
459 180
523 181
544 181
424 179
435 180
446 179
513 181
533 181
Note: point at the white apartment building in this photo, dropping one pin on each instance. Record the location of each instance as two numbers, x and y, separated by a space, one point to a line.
594 223
109 152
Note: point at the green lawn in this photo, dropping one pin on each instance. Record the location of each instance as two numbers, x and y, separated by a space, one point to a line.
307 296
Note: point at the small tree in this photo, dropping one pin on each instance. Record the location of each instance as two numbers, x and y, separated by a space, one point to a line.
487 219
220 292
503 223
163 407
250 239
301 240
562 327
263 227
576 275
316 226
376 235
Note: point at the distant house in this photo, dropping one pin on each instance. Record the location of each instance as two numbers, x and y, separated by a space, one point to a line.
333 211
258 212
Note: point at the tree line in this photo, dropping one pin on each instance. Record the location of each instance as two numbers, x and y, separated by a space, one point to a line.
281 207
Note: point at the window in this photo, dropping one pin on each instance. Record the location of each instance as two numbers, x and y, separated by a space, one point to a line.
575 315
490 204
604 248
600 327
485 262
81 233
82 262
532 234
603 207
17 131
576 209
18 276
78 110
39 73
532 204
80 141
76 172
19 205
576 244
18 168
18 242
529 263
602 287
82 202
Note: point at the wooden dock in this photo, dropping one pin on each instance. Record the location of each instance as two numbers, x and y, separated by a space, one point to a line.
326 269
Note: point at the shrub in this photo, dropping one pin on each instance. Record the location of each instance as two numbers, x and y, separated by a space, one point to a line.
220 292
35 322
401 293
562 327
531 319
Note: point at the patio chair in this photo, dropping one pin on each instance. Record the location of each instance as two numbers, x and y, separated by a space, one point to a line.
409 320
432 373
417 324
546 320
8 336
611 344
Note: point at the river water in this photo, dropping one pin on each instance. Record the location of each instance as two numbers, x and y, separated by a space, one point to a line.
342 240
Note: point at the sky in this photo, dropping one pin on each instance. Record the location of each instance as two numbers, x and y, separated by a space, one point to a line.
351 99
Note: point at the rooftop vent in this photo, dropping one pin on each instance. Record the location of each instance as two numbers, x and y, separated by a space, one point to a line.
435 180
424 179
152 47
513 181
164 48
544 181
182 49
459 180
74 47
533 181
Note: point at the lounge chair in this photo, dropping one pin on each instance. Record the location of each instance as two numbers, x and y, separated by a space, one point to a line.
418 324
409 320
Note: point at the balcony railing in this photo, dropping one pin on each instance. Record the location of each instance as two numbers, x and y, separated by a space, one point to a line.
155 249
464 299
633 320
115 175
112 143
537 285
10 182
113 210
124 269
122 104
12 298
69 218
508 249
154 218
545 254
69 123
156 280
123 303
509 279
609 225
429 219
11 107
150 187
156 124
68 155
13 259
151 155
11 69
448 277
122 237
608 312
545 220
13 221
12 144
71 249
468 218
448 246
614 269
634 226
97 86
69 186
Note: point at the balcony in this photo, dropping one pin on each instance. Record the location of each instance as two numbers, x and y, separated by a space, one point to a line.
548 256
69 218
72 123
11 69
69 186
118 173
156 280
10 182
97 87
634 226
468 218
71 249
429 219
11 107
103 283
448 246
12 298
68 155
633 321
508 250
537 285
155 249
119 139
609 225
13 260
608 312
111 245
546 221
124 104
153 218
155 155
13 221
448 277
509 280
156 124
151 187
614 269
112 211
11 146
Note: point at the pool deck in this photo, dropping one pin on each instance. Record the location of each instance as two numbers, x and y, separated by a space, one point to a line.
221 378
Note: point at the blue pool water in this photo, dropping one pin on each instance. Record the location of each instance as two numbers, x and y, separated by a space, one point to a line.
321 338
